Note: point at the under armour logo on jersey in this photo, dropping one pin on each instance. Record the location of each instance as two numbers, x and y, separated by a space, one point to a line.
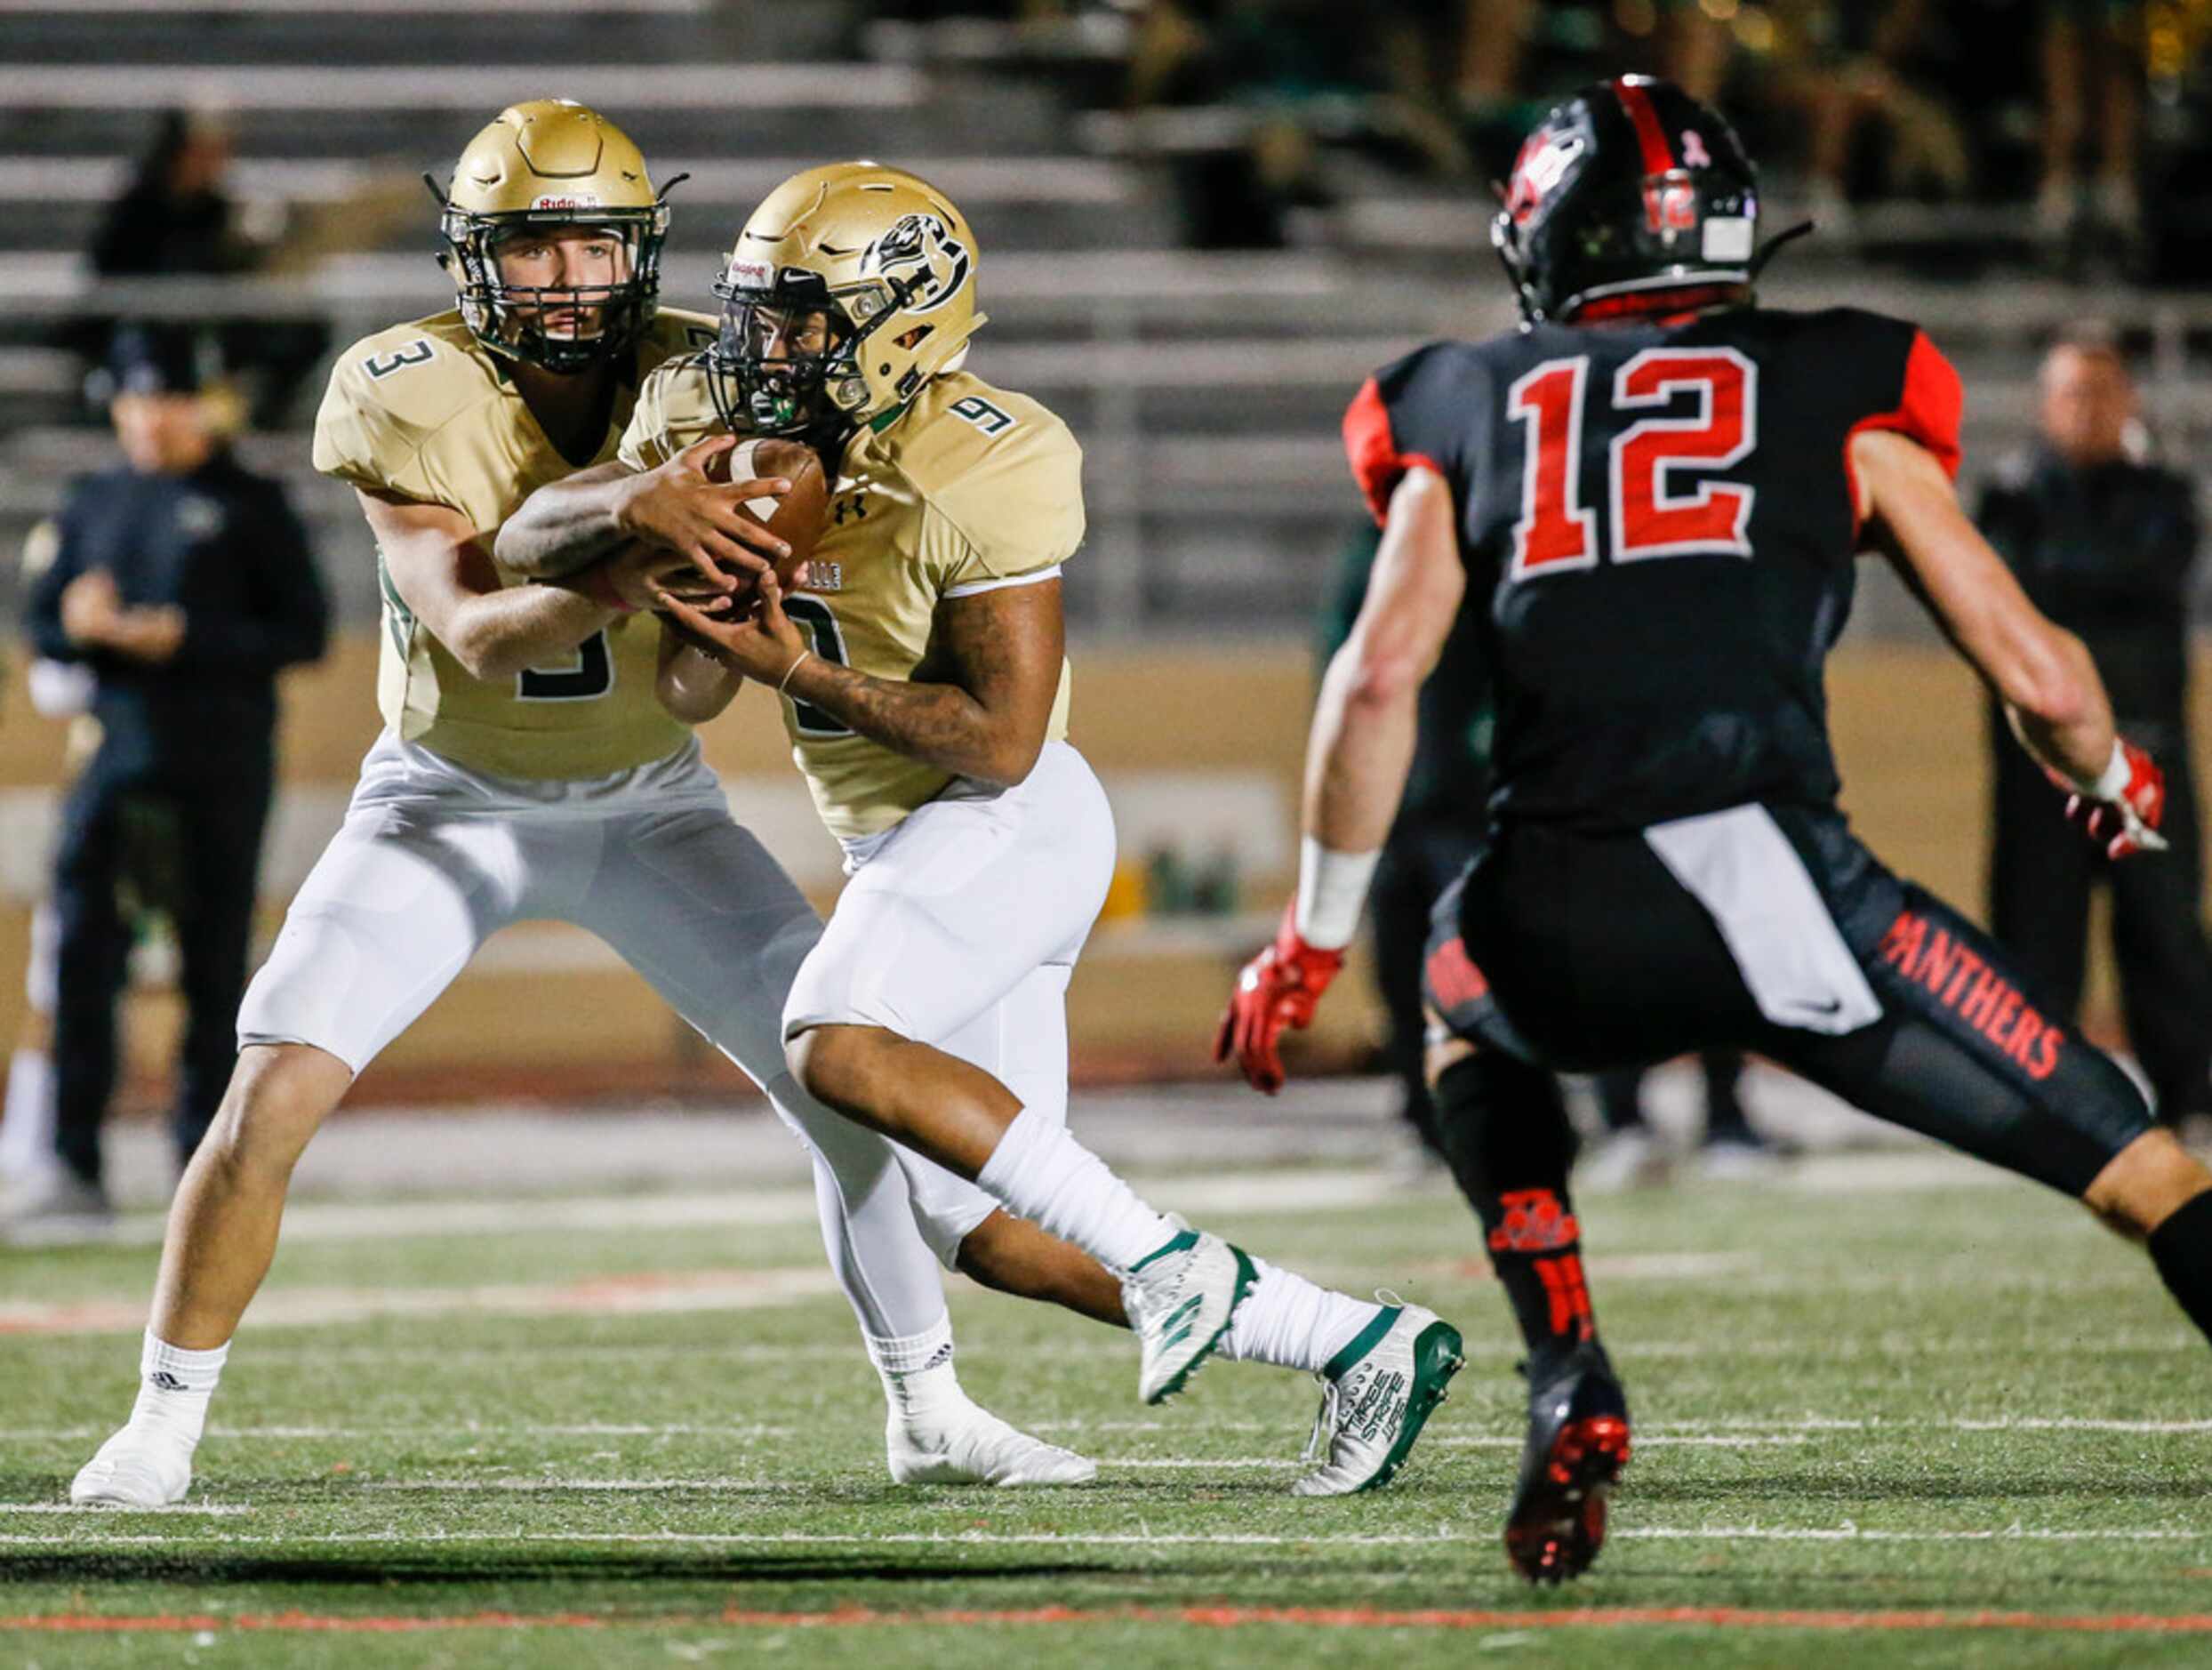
163 1380
1694 152
855 507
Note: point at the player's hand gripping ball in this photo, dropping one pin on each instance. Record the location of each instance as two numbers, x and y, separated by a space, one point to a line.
795 517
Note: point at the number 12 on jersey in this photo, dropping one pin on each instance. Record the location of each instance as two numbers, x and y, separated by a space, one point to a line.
1647 517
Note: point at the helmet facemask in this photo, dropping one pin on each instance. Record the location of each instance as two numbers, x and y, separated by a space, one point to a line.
786 361
509 318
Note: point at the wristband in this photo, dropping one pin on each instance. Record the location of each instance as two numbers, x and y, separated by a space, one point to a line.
785 682
2119 773
1332 886
599 587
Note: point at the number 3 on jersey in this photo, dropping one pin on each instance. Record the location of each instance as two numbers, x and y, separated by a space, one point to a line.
1647 517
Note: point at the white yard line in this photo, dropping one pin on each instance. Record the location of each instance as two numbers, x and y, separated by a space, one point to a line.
206 1509
648 1293
1722 1435
1845 1533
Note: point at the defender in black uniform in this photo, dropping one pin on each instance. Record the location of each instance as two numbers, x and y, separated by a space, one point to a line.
1651 495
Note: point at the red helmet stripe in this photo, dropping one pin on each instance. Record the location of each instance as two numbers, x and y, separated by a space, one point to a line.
1651 133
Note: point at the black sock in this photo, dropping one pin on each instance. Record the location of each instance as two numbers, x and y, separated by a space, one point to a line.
2182 1249
1506 1133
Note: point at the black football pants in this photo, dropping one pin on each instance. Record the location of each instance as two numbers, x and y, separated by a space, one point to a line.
1583 953
2042 870
192 851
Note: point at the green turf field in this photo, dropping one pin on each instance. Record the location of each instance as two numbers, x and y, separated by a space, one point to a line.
1888 1420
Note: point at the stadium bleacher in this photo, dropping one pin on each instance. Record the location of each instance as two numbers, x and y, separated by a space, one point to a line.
1205 386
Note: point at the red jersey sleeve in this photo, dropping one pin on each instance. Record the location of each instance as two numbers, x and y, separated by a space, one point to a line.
1930 405
1378 464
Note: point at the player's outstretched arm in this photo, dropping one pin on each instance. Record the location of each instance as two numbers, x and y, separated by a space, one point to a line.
440 568
981 710
2044 674
569 523
1361 745
1358 754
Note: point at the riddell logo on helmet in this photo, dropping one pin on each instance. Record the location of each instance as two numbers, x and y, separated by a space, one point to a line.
750 275
568 200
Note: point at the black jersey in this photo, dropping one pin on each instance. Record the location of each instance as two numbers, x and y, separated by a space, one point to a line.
1659 522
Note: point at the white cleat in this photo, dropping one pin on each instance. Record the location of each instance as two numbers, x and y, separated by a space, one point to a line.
1180 1297
1630 1159
1376 1396
975 1446
135 1468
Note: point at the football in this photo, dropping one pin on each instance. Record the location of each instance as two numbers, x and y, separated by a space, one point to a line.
796 516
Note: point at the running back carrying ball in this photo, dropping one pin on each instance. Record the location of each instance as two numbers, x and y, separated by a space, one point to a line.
796 516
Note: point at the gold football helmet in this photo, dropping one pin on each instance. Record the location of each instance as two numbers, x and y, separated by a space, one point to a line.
850 287
549 163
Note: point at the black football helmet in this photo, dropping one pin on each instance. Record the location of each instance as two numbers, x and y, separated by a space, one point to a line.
1630 196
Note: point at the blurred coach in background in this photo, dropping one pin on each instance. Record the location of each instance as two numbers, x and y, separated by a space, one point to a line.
2103 542
185 582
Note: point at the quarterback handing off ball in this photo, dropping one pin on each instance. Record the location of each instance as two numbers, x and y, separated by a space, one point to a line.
795 517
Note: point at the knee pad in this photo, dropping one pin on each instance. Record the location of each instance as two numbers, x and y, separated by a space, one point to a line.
1503 1126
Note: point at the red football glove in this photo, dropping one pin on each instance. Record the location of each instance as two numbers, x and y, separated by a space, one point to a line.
2129 822
1277 988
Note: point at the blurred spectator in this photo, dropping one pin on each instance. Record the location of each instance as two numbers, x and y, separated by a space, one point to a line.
176 217
1287 73
2104 543
59 690
1877 68
1629 1153
184 582
2093 81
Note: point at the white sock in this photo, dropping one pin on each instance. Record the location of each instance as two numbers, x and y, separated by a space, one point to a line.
174 1387
26 1119
1291 1323
1040 1172
919 1378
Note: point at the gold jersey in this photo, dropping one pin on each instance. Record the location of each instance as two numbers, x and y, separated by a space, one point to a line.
424 411
964 488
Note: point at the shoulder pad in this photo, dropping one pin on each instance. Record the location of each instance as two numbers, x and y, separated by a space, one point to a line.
390 392
674 409
1000 467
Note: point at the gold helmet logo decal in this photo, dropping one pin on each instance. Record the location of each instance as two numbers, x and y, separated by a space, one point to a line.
920 258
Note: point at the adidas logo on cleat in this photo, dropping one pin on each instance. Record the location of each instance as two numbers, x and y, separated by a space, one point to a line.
162 1380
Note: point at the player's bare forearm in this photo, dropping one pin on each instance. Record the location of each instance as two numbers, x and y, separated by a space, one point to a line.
2043 673
985 700
1361 745
566 523
940 724
1358 756
497 635
2074 737
437 562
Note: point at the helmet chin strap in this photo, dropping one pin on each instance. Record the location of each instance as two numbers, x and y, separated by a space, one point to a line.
1772 246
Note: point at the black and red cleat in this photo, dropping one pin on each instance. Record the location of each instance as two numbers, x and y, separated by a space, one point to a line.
1578 1442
